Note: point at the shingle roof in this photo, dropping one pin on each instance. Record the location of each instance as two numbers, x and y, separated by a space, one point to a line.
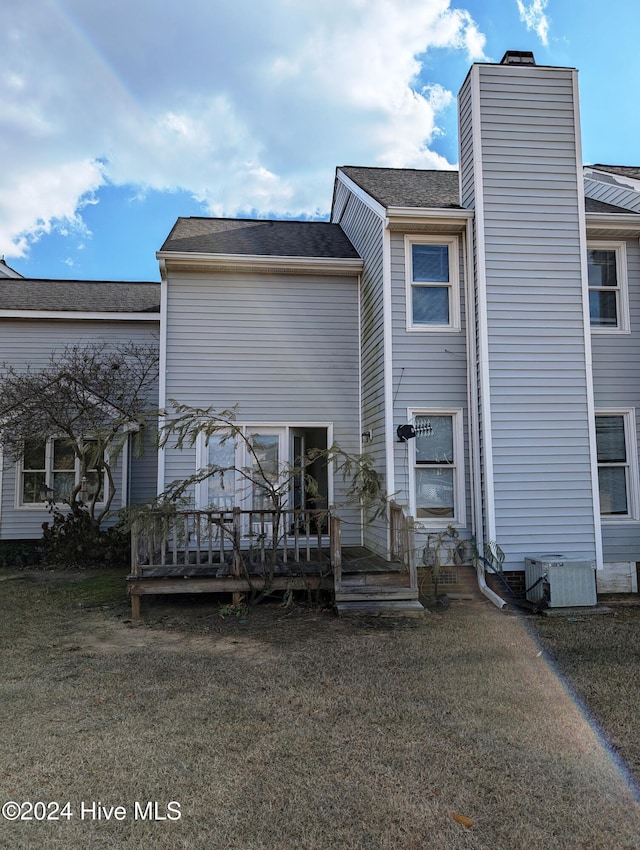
259 237
79 296
594 206
407 187
632 171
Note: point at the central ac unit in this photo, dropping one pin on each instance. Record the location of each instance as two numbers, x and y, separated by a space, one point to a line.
565 582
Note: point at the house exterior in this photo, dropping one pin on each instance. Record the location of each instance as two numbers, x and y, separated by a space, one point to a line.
475 331
41 317
262 316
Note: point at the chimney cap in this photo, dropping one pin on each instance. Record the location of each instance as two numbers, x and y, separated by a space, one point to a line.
518 57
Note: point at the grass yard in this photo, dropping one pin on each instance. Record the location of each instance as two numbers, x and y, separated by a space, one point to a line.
289 728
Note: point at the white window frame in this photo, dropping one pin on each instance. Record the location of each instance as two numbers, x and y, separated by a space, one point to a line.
633 484
202 461
622 289
243 458
459 518
453 284
49 473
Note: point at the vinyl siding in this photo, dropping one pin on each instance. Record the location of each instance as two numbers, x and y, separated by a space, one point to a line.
465 130
32 342
468 200
538 382
429 369
616 367
365 230
284 349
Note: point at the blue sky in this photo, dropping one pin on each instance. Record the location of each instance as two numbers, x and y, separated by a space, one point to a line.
117 116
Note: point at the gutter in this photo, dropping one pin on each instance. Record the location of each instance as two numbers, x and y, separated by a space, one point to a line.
260 263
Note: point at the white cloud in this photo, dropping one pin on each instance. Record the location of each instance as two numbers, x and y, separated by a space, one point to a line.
249 106
535 18
39 200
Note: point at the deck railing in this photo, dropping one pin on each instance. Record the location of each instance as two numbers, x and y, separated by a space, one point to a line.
403 547
234 541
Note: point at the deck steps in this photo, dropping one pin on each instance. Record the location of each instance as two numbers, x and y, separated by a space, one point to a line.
377 593
381 608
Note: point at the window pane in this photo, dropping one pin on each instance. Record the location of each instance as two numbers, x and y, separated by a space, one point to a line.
33 484
34 456
63 456
434 439
266 464
430 305
603 307
63 484
431 263
434 493
613 490
610 439
602 268
221 487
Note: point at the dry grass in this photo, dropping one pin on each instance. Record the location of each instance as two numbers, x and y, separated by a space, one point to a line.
599 658
292 729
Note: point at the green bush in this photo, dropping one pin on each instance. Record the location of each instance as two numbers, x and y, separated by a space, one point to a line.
73 539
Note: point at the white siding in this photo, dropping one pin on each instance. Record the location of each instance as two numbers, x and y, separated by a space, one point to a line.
32 342
365 230
528 148
429 368
283 348
616 371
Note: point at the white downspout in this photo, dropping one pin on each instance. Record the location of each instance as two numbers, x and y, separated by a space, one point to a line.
473 416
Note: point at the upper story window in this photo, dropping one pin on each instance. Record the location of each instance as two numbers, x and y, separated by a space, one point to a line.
433 293
608 303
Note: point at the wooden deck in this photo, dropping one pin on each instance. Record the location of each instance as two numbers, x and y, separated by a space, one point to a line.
211 552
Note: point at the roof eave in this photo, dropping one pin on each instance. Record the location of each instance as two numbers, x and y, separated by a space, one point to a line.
613 220
80 315
430 212
399 218
191 260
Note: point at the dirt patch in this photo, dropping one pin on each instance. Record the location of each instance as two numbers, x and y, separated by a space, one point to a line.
102 636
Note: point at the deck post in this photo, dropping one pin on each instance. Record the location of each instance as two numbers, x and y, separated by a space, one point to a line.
135 606
411 552
394 511
236 565
335 549
135 548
